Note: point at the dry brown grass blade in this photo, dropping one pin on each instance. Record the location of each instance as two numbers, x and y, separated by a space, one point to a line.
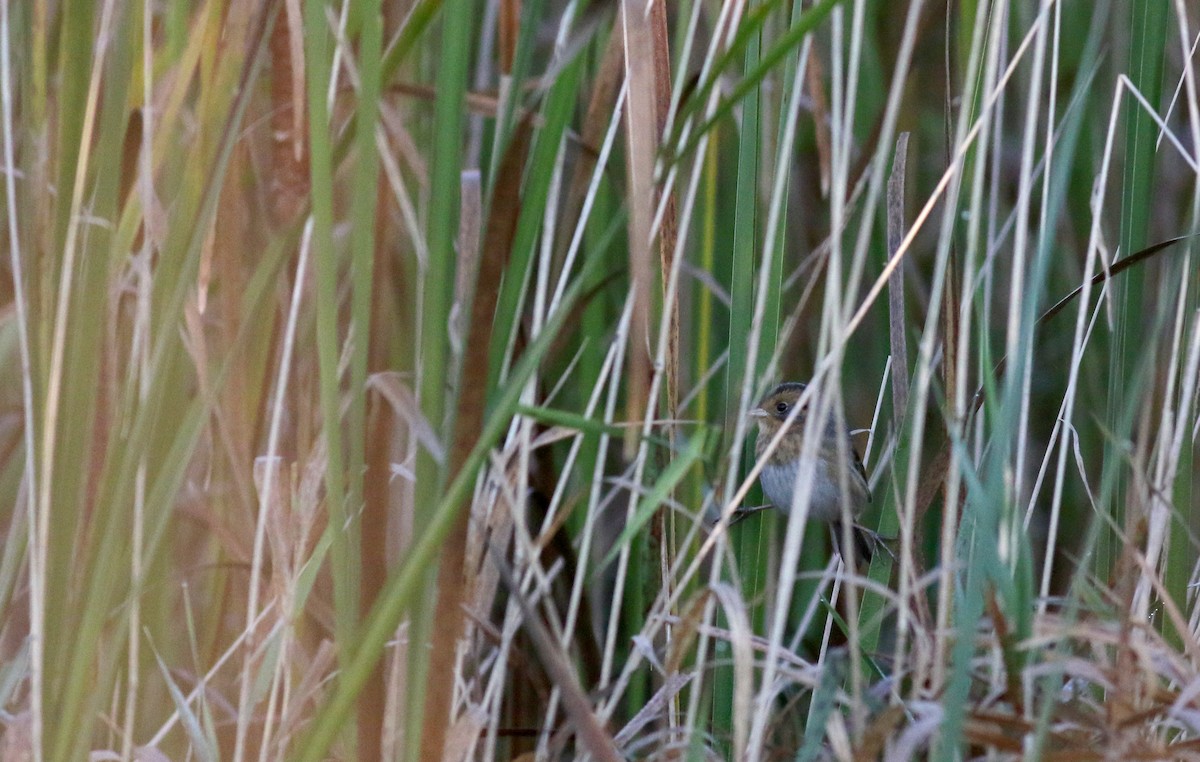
668 230
662 528
288 184
509 22
820 112
451 588
381 493
641 151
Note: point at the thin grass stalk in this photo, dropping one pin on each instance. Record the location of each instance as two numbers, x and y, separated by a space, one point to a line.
641 148
1019 330
896 311
609 371
34 550
362 249
146 187
742 365
838 303
984 509
968 606
1166 453
318 54
1178 571
643 34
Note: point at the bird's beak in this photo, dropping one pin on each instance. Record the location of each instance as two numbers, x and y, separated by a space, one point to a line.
758 412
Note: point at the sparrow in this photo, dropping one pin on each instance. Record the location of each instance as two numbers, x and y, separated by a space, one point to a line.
832 465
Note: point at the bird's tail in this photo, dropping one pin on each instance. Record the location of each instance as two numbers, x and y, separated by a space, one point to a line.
866 542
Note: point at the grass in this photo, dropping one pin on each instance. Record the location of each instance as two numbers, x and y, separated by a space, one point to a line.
377 377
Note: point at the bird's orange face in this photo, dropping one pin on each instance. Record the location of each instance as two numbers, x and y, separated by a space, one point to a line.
772 412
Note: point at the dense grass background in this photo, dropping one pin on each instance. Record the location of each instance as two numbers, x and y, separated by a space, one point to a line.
376 376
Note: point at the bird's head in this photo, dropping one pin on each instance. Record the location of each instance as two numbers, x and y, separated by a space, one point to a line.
775 408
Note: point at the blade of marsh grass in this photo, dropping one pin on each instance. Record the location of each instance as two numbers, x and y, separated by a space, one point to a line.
402 586
363 211
1148 28
1179 552
318 53
557 109
74 58
437 294
32 654
896 324
737 370
62 396
764 357
574 421
898 503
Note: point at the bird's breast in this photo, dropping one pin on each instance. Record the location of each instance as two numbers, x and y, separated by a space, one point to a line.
780 482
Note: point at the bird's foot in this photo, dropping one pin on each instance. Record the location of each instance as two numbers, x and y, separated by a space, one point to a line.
745 511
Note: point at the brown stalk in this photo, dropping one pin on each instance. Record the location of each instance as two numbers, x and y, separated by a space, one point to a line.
668 232
662 531
288 184
509 21
820 114
451 588
380 497
641 143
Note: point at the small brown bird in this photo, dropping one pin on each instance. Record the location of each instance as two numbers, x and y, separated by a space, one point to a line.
780 473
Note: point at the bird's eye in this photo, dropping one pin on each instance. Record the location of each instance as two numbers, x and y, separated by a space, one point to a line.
781 407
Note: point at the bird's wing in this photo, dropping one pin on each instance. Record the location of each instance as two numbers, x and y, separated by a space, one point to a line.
860 470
